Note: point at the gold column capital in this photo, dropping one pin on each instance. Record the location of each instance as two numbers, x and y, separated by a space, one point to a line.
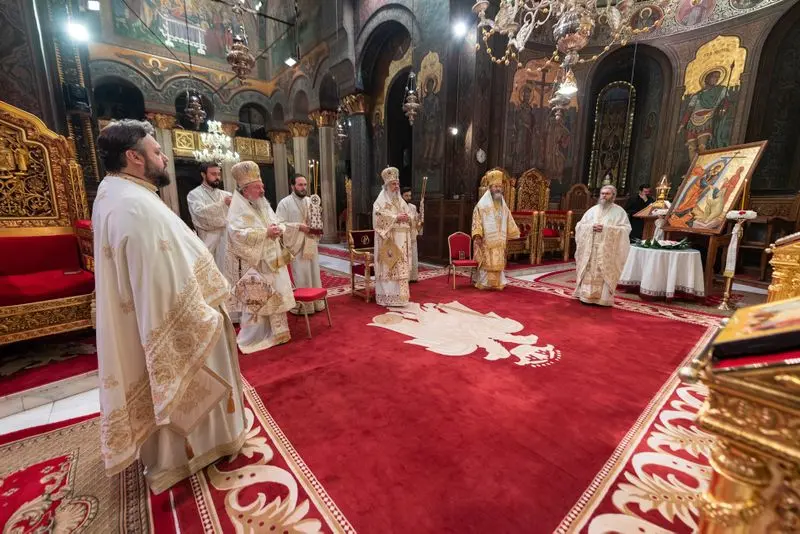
324 118
356 104
278 137
230 128
161 120
300 129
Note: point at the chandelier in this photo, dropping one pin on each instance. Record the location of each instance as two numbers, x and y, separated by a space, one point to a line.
573 23
194 110
411 103
216 145
239 57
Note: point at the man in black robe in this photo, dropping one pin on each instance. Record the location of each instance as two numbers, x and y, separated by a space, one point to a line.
635 205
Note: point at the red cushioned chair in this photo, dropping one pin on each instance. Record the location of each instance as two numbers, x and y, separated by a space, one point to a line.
309 294
555 228
460 246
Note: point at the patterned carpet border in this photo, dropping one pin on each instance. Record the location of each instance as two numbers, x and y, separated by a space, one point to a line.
608 476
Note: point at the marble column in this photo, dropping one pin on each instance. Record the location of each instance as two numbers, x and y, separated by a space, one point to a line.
357 106
325 121
163 125
281 163
300 132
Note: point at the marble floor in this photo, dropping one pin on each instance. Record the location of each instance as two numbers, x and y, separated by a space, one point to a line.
88 402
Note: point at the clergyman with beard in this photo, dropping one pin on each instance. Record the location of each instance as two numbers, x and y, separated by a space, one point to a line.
294 211
171 391
391 219
263 293
492 227
208 206
601 249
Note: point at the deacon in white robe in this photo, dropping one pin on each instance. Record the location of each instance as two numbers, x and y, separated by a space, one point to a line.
391 220
601 248
170 386
208 207
492 227
294 212
416 231
264 290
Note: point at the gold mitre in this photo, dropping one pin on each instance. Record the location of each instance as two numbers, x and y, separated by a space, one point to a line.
245 173
494 177
390 174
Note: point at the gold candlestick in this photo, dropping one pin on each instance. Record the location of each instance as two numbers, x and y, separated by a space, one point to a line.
662 192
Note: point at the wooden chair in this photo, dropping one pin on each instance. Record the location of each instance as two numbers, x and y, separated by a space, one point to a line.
46 275
361 245
528 223
554 234
509 187
577 200
309 295
459 246
778 216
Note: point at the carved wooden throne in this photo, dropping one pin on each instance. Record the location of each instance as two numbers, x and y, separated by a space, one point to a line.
552 226
577 200
46 278
361 245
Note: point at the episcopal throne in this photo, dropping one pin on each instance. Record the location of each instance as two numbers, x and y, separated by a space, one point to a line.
46 275
552 227
361 246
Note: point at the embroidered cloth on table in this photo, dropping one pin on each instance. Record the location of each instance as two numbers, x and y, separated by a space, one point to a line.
663 273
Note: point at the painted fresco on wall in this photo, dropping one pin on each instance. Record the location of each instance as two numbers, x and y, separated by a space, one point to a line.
209 30
694 12
534 139
611 139
710 98
646 17
430 83
745 4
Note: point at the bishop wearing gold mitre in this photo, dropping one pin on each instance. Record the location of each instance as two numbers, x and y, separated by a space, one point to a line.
392 219
492 227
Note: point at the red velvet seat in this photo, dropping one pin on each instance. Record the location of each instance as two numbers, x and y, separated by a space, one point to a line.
550 232
460 247
309 294
465 263
39 268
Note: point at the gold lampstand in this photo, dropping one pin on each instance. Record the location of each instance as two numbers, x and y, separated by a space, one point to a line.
662 192
726 304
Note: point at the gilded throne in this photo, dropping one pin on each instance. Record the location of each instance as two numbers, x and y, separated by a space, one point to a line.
46 278
552 226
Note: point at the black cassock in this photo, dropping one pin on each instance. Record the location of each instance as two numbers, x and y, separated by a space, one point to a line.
635 205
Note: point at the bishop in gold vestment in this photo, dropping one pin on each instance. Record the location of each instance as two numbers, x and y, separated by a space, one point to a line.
170 387
391 219
601 248
492 227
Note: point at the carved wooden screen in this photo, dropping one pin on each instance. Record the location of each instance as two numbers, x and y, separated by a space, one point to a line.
611 141
41 183
533 191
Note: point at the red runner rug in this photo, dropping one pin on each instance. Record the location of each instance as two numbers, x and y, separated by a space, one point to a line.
53 475
37 363
406 439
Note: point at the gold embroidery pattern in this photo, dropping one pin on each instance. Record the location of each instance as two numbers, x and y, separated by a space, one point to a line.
124 429
164 245
126 306
213 285
108 252
110 382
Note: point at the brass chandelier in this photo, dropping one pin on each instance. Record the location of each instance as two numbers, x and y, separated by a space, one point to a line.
239 57
573 23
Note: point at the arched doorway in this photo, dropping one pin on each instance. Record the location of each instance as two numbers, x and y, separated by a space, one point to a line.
625 120
775 113
253 121
118 99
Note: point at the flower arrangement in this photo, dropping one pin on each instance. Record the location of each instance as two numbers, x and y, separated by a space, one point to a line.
663 244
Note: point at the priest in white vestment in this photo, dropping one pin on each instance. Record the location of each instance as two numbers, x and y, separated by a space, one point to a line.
601 249
170 387
208 207
294 212
391 220
492 227
416 231
264 290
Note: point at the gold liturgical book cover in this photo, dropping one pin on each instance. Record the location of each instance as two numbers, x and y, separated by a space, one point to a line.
771 327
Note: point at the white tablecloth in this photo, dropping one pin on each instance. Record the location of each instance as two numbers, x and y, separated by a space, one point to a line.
662 273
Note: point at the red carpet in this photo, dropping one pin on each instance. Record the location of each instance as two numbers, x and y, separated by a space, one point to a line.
54 472
406 440
40 362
